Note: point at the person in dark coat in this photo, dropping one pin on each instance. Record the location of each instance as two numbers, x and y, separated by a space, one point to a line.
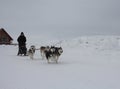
22 44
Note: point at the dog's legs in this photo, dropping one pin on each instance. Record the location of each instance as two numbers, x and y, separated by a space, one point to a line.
42 55
57 59
47 57
31 56
48 61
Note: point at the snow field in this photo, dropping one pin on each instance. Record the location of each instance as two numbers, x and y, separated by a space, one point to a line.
81 65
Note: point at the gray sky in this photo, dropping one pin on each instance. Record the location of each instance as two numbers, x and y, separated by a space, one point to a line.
60 18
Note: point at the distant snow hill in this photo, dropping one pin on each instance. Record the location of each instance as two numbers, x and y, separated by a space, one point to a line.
97 42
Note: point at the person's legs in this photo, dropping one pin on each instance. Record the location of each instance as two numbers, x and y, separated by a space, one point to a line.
19 51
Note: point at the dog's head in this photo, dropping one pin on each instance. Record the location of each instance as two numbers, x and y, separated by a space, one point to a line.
52 49
32 48
60 50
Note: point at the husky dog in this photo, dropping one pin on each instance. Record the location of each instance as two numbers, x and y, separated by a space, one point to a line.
31 51
53 53
42 51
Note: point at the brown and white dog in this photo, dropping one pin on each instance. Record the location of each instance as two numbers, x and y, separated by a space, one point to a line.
31 52
42 51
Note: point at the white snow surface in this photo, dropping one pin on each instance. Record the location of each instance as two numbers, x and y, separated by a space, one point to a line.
91 62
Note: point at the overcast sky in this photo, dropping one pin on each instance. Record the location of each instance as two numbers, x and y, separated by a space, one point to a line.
60 18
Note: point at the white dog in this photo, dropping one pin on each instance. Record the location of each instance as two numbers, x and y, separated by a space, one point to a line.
31 52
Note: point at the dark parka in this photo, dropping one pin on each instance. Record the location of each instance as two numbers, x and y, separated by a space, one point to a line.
21 40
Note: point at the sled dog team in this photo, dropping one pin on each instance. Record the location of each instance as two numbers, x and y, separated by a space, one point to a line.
50 53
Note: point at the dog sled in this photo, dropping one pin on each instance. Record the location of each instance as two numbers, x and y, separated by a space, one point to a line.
22 51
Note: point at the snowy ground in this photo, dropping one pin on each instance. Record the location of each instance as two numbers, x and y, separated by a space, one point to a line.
86 63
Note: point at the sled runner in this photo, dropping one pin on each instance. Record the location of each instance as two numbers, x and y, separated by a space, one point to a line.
22 51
